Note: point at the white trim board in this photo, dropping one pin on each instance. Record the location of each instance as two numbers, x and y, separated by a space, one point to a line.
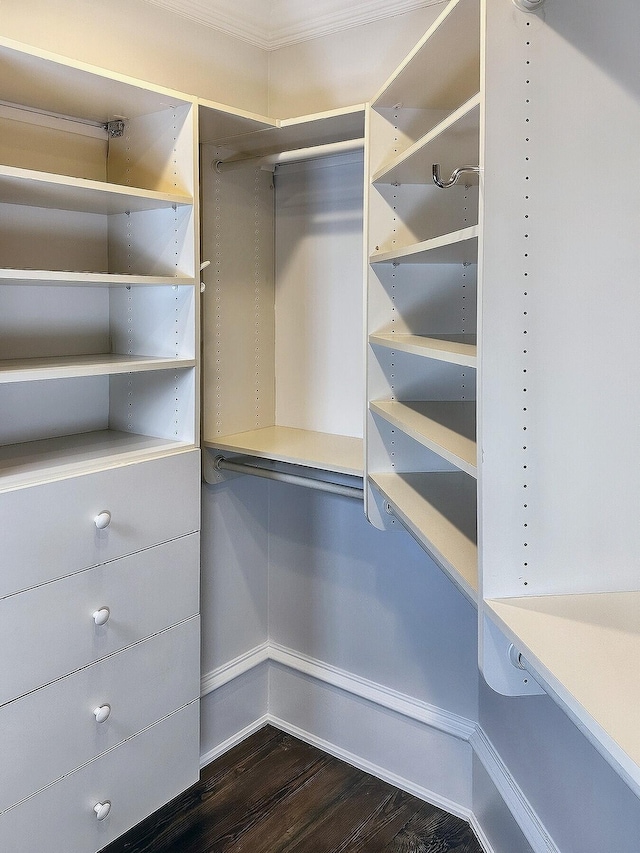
278 23
386 699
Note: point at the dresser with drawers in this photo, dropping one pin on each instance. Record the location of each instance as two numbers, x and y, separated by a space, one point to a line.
99 459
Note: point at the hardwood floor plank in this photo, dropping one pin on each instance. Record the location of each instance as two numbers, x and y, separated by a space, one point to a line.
275 794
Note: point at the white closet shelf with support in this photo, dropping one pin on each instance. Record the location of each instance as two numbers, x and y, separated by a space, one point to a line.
584 649
324 451
67 278
455 349
48 459
458 247
453 141
67 367
60 192
446 428
439 510
433 74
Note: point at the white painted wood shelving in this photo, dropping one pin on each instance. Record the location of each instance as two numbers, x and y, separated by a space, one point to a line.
554 572
99 313
283 357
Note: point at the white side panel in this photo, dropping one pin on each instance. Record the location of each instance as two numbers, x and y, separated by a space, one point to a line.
153 321
51 731
319 364
159 404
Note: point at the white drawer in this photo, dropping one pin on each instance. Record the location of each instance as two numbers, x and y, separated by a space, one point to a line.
50 631
136 778
52 731
49 531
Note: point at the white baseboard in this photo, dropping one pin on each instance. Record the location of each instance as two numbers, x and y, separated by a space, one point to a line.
386 699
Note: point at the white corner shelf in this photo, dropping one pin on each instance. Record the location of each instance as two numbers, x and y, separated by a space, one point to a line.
439 510
60 192
446 428
455 349
34 462
584 648
68 367
458 247
324 451
454 141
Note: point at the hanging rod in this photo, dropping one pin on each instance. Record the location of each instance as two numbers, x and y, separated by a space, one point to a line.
36 111
437 180
222 464
268 162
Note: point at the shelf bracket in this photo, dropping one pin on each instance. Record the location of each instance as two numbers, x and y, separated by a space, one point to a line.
444 185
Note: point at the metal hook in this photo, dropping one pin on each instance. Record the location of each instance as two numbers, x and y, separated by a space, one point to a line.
435 171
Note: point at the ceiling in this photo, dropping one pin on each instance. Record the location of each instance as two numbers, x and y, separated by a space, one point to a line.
271 24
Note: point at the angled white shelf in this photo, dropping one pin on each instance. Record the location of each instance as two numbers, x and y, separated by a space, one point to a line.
60 192
443 70
439 510
68 367
446 428
456 349
67 278
40 461
458 247
455 141
584 648
324 451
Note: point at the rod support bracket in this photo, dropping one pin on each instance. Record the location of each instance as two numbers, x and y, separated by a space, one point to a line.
528 5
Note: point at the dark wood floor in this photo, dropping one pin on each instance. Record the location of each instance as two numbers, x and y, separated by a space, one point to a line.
274 794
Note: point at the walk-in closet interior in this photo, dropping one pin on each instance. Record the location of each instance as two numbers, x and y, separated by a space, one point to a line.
317 332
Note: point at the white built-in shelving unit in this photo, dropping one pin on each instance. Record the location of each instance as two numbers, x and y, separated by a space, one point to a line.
422 244
99 312
282 226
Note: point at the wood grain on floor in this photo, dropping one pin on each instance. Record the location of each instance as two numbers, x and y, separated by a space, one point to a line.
275 794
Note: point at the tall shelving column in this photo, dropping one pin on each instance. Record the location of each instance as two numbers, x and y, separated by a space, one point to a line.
421 295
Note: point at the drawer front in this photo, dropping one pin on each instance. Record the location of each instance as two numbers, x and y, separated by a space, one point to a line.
50 631
52 731
136 778
49 530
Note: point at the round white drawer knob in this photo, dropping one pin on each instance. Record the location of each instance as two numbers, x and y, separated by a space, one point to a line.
103 519
102 713
101 617
102 809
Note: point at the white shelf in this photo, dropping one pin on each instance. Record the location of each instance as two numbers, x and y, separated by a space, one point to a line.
443 70
66 367
455 349
446 428
453 143
458 247
325 451
585 650
67 278
439 510
60 192
71 455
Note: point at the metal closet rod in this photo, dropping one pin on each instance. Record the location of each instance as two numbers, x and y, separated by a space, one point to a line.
270 161
222 464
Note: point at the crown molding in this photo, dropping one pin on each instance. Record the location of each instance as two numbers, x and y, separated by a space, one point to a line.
284 22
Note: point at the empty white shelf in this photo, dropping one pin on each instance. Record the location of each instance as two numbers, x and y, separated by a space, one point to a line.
455 141
458 247
439 510
66 278
66 367
47 459
446 428
325 451
456 349
60 192
585 650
